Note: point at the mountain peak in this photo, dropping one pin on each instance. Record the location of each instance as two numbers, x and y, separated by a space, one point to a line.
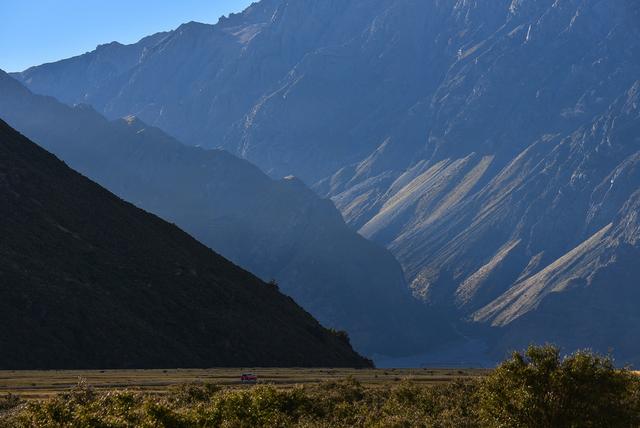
194 25
112 45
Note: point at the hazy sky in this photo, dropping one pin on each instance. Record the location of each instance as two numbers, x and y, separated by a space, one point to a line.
37 31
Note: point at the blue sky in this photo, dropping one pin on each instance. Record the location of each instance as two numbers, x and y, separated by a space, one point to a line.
38 31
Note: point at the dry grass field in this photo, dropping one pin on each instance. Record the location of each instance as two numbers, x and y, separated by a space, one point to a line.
41 384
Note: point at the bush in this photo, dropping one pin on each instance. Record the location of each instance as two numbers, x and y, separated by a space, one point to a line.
193 393
9 402
541 389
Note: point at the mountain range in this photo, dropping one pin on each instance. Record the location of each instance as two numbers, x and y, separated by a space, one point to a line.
490 146
90 281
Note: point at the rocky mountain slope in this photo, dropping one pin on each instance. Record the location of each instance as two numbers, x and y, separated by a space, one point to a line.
90 281
489 145
276 229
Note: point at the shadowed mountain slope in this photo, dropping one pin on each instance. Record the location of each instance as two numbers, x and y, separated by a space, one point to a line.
90 281
276 229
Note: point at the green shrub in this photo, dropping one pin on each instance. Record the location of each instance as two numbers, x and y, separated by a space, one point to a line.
259 406
541 389
9 402
193 393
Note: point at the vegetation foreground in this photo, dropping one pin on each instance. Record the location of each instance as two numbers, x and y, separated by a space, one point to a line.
537 388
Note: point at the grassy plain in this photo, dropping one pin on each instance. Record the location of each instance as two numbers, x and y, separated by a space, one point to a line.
42 384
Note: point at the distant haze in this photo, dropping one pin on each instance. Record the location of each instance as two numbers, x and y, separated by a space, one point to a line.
42 31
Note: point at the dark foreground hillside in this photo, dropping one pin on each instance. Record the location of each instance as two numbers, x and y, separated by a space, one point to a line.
87 280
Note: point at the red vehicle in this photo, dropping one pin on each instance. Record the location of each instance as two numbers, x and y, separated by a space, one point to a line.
248 378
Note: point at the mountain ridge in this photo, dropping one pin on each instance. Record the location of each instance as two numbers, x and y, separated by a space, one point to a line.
277 229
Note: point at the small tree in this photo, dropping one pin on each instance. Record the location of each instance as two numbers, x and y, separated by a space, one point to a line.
341 334
274 284
541 389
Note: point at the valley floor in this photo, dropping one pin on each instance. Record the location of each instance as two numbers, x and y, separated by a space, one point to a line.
523 391
42 384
